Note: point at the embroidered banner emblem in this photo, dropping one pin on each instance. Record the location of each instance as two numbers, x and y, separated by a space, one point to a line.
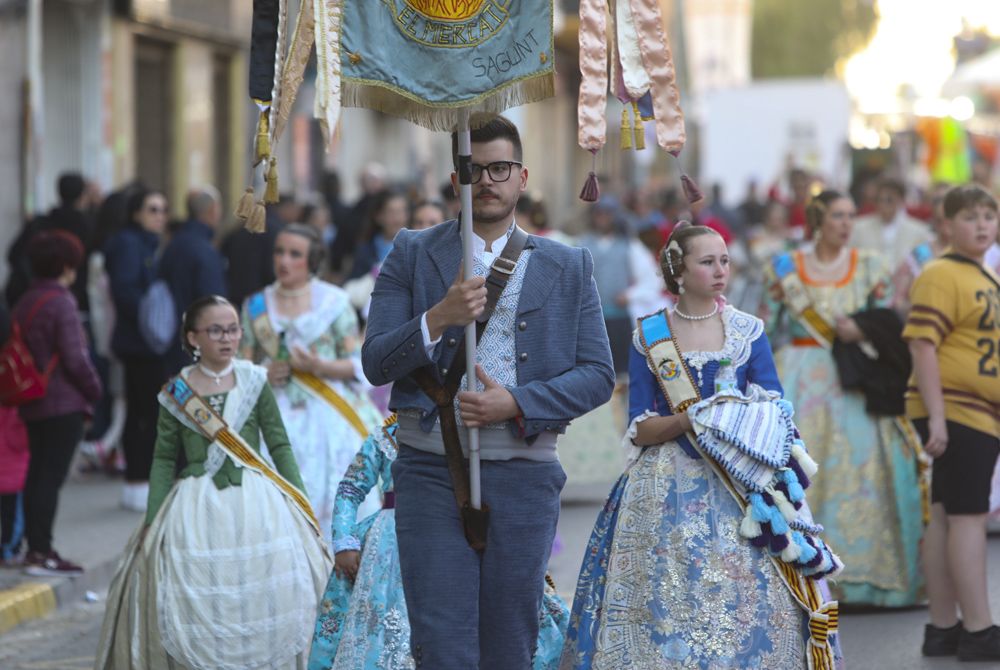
426 59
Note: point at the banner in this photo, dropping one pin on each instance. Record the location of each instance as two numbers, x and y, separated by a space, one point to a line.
424 60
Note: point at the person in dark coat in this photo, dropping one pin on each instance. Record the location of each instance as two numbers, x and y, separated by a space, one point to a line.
130 261
191 265
250 266
388 215
72 215
51 327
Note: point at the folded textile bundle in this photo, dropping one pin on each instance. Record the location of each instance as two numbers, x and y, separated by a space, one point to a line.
753 439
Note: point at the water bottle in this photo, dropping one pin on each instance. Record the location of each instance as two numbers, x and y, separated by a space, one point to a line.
725 378
283 354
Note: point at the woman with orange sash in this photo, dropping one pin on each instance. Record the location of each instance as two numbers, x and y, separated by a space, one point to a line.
681 571
305 332
228 569
868 493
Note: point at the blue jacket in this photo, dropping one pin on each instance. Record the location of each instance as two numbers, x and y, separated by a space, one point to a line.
562 354
193 268
130 261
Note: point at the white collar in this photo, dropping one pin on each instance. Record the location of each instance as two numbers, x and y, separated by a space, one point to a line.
479 244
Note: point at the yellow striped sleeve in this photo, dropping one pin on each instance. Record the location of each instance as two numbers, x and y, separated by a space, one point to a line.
932 311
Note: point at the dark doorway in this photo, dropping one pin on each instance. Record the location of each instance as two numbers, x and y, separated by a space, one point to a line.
153 123
222 118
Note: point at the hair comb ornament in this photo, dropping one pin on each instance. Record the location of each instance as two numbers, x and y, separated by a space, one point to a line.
673 246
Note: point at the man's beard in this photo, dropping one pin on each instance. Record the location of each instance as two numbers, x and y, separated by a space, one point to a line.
479 216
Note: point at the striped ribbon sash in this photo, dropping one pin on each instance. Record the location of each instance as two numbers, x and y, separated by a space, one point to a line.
797 300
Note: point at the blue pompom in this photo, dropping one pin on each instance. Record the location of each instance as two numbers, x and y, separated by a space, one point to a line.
795 492
761 512
778 524
808 551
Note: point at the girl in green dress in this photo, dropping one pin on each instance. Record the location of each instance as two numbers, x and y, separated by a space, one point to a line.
228 568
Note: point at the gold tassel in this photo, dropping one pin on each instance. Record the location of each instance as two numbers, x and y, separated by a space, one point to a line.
244 205
626 130
263 143
639 130
257 221
271 193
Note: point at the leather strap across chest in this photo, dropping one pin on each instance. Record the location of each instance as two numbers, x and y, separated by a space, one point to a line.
443 393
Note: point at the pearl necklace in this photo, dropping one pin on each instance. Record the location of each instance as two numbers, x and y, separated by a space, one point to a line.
681 314
828 265
293 292
217 376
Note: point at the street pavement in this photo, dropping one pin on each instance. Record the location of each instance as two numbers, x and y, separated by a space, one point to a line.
91 528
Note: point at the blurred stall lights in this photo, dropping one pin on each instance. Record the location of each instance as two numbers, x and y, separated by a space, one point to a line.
862 136
962 109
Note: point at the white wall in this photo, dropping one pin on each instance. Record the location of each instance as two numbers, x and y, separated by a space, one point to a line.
755 132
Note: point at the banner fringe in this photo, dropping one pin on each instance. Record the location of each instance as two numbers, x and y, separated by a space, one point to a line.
372 95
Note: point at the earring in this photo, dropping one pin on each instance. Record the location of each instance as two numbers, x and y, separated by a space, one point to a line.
196 354
680 288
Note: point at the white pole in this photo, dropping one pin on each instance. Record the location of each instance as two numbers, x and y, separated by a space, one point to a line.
465 193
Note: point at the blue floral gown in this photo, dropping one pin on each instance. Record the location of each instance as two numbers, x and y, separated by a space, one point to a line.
364 626
666 580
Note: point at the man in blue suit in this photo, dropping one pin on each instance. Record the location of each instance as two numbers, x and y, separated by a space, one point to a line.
543 360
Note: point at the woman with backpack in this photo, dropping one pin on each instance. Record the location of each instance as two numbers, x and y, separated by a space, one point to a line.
130 258
49 324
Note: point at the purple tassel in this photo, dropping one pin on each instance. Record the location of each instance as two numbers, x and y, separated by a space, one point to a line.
818 558
778 543
691 190
797 469
591 190
761 540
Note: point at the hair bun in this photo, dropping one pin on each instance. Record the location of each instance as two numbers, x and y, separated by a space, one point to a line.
681 225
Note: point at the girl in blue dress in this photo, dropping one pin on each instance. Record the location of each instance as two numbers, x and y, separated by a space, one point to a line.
667 580
362 622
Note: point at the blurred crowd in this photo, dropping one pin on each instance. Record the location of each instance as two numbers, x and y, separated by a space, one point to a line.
111 249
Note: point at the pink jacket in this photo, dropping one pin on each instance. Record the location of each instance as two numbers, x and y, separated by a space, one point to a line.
13 451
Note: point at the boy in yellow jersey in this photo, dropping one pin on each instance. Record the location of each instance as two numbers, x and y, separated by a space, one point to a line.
954 399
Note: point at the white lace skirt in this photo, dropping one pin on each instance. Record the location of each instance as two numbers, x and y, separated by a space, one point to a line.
225 579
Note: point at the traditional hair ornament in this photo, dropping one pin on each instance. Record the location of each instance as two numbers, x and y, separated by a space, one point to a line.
673 246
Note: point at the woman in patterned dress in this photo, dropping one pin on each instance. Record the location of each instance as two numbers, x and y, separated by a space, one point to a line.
867 495
667 581
305 332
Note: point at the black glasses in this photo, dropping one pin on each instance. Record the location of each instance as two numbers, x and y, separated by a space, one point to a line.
215 333
499 170
156 210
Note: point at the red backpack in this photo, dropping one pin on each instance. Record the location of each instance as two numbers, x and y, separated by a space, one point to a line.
20 379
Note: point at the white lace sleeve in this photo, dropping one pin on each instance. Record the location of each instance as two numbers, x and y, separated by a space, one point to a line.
360 382
632 451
